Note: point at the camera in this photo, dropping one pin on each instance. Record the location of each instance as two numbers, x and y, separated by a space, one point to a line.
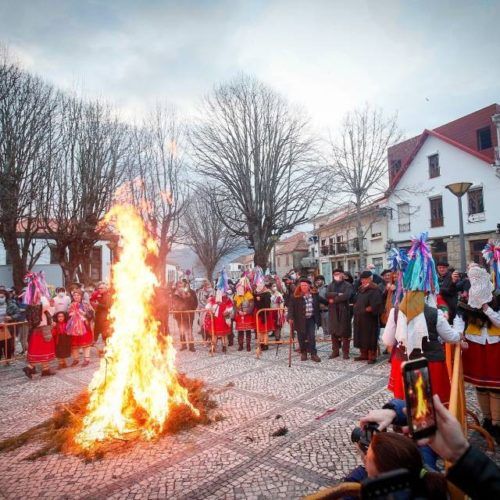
363 436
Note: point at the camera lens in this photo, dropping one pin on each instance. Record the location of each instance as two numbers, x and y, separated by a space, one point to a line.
356 434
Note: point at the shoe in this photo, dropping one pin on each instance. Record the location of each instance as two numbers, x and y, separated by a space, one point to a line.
487 425
62 366
315 358
191 348
303 356
371 361
47 373
183 347
240 347
333 355
248 348
264 347
28 372
224 349
75 362
346 356
86 362
360 358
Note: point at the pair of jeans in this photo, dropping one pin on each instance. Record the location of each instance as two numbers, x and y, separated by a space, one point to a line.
307 338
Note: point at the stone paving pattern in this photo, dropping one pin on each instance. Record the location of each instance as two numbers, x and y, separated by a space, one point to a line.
236 457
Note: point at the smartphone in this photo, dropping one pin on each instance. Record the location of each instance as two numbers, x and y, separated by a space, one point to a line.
397 484
418 392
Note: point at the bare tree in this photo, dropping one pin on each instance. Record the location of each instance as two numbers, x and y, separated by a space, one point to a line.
89 164
359 169
28 110
158 181
258 150
205 232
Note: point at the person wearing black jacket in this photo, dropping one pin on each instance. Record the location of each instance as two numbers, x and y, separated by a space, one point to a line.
449 286
304 318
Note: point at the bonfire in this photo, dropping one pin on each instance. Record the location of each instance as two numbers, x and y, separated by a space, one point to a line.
137 392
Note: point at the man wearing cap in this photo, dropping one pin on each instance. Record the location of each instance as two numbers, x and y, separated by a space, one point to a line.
304 317
338 294
367 309
449 286
322 288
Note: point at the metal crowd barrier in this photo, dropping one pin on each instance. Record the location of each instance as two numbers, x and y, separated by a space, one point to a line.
9 334
183 322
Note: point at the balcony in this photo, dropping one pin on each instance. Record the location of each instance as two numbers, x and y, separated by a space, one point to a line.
341 247
403 228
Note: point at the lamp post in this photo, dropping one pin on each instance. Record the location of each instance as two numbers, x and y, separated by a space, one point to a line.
459 189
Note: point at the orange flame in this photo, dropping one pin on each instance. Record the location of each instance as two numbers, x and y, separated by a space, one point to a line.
421 410
136 384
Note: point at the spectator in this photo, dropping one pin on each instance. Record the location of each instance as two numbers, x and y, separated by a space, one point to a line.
322 288
376 278
304 317
449 286
184 302
9 313
367 308
277 302
203 294
338 294
61 339
61 301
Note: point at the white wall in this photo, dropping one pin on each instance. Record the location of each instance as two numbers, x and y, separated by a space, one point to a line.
455 166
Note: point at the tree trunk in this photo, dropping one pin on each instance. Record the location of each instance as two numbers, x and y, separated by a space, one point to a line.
19 268
261 257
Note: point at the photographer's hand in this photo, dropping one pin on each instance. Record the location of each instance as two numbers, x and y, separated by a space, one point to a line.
383 418
449 441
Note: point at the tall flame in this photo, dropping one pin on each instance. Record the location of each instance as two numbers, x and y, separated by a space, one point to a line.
136 384
421 410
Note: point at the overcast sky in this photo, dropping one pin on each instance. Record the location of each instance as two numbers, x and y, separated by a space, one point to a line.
432 61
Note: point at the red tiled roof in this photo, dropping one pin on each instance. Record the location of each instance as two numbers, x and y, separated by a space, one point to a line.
295 243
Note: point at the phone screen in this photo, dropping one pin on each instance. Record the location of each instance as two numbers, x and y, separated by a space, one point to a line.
420 408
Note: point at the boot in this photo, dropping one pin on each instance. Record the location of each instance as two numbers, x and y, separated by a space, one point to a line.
62 364
240 341
249 340
231 339
86 362
75 362
345 348
47 372
487 425
363 355
183 343
372 357
315 358
335 348
264 347
191 347
28 371
224 349
303 356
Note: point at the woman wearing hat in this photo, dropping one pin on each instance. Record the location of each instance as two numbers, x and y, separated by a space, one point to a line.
304 318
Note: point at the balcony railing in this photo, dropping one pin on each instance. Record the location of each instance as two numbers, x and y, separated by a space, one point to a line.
341 247
403 228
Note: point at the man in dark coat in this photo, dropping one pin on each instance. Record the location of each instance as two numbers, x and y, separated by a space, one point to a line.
449 286
338 294
304 318
367 309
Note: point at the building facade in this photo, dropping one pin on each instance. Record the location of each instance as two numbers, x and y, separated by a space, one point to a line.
289 253
465 150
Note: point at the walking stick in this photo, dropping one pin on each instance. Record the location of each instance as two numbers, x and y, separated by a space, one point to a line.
290 345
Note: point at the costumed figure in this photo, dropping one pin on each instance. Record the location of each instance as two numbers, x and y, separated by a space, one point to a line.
338 294
61 339
78 327
262 300
41 348
479 319
367 308
278 303
100 300
184 303
218 320
414 327
244 314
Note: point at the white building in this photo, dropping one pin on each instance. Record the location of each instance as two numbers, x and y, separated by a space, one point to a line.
422 167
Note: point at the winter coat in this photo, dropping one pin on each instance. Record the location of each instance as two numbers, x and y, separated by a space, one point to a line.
297 312
338 295
366 323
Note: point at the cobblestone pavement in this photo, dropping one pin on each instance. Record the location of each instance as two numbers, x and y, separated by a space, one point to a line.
237 457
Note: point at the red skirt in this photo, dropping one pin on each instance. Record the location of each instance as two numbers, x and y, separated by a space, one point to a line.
266 322
85 340
482 364
244 322
439 379
39 349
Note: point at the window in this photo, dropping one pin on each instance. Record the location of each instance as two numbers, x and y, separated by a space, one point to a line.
279 262
287 260
476 251
8 258
476 202
433 166
436 211
378 262
53 255
404 217
439 250
395 167
484 138
96 264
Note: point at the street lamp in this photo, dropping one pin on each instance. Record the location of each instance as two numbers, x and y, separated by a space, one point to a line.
459 189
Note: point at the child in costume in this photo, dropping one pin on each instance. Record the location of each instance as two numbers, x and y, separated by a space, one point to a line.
278 303
265 321
244 316
415 327
479 319
220 307
61 339
79 329
41 348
